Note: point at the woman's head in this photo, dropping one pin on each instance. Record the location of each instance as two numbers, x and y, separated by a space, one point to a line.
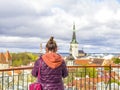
51 45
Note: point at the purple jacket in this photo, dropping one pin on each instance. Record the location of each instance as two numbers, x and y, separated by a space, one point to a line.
50 79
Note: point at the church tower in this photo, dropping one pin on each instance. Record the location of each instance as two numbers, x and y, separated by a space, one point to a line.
74 44
41 48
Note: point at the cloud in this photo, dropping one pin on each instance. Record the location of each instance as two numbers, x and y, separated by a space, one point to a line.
23 22
30 44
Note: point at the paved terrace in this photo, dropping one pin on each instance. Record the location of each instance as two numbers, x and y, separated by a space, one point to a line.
80 78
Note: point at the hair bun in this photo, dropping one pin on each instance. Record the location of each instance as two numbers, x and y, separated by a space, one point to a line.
51 44
51 38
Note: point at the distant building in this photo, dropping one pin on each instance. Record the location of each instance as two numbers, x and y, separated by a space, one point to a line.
98 61
81 53
73 49
8 58
82 62
74 44
5 60
90 62
41 48
70 60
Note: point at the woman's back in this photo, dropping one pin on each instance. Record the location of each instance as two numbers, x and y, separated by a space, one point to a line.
51 79
52 68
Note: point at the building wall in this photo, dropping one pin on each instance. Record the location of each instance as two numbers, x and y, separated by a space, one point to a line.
4 66
74 49
70 63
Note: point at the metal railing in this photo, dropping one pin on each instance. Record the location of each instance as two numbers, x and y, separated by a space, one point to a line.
80 78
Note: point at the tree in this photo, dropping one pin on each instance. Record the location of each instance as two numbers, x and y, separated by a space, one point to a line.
17 63
19 59
32 56
116 60
92 72
82 72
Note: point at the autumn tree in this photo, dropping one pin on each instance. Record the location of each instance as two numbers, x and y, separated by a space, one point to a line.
19 59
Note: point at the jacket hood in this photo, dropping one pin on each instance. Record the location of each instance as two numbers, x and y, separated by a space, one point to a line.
53 60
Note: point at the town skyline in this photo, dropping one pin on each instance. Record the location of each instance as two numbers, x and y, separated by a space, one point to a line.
25 24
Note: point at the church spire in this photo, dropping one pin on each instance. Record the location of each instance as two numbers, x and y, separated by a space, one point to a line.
74 41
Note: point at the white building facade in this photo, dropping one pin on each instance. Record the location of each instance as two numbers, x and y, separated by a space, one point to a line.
74 44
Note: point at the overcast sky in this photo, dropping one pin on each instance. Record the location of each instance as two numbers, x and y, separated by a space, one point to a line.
24 24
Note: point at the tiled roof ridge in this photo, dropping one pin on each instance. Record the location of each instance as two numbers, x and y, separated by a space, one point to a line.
8 56
2 58
5 57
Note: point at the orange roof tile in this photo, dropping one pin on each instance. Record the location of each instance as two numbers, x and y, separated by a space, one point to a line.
92 64
98 61
2 58
82 62
81 83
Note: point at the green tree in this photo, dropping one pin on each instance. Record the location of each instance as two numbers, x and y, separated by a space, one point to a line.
17 63
32 56
22 58
116 60
82 72
92 72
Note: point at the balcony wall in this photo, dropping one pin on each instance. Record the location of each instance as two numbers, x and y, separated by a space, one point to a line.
80 78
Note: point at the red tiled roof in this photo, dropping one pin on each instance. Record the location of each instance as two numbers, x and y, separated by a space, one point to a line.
98 61
8 56
2 58
82 62
92 64
91 81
